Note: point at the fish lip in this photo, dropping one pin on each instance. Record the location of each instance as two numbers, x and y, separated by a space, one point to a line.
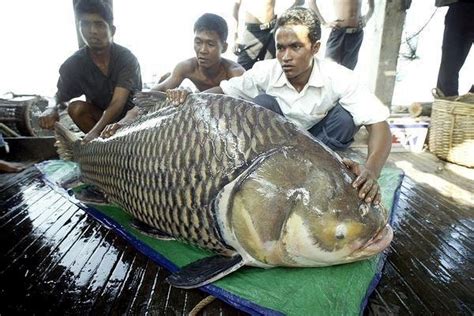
379 242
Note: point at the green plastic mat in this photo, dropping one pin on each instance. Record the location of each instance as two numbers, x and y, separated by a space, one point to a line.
335 290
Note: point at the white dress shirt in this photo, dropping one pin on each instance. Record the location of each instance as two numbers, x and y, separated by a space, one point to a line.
328 84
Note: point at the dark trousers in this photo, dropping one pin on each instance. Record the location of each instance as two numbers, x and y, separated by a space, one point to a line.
257 44
343 47
457 41
336 130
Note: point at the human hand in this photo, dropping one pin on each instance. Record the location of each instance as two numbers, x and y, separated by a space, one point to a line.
111 129
236 49
90 136
366 182
336 24
48 118
177 96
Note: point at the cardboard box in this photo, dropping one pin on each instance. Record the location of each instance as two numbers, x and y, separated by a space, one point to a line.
408 134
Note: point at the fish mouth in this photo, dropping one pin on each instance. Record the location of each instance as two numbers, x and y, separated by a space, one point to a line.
377 243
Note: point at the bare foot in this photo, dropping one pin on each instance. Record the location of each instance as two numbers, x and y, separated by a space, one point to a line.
6 166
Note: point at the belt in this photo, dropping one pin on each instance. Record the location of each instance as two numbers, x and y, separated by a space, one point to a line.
352 30
260 26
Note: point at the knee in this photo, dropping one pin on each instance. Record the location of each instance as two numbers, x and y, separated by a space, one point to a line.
76 109
269 102
346 120
340 125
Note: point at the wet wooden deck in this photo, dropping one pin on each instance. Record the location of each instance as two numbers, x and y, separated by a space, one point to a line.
58 260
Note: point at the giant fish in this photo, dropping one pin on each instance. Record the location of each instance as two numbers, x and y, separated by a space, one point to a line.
226 175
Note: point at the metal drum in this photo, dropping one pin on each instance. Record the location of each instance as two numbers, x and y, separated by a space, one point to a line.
21 115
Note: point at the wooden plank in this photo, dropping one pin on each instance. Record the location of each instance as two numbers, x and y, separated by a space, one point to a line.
56 259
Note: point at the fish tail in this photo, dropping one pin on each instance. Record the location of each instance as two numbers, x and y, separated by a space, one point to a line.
65 141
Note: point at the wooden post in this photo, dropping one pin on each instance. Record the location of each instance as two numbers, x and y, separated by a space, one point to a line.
394 18
80 41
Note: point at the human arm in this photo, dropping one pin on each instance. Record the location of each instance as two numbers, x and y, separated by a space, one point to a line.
51 115
68 88
180 72
365 18
178 96
115 107
313 6
235 15
111 129
379 144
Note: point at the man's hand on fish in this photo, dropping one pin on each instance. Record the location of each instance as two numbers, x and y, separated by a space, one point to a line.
90 136
177 96
111 129
48 118
366 181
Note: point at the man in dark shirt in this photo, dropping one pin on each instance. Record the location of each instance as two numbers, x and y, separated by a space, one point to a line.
106 73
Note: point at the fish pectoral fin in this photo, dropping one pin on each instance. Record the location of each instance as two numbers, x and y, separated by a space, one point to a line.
205 271
150 231
89 194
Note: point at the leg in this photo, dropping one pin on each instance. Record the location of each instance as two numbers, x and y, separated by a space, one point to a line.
352 44
6 166
457 41
336 130
84 115
269 102
335 44
271 49
250 49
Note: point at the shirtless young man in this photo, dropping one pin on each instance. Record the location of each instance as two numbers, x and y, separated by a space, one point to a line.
347 30
205 71
257 41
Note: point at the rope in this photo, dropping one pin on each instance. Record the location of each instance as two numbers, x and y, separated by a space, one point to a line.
201 305
421 29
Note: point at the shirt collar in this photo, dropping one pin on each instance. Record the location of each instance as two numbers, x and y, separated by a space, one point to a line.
315 79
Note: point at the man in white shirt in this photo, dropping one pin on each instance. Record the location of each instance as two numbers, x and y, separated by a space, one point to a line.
320 96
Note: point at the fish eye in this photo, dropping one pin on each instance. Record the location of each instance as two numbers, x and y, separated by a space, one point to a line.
341 231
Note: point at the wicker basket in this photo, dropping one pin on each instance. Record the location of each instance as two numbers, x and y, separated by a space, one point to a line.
452 131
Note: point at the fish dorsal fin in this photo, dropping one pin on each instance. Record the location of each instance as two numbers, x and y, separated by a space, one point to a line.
150 101
205 271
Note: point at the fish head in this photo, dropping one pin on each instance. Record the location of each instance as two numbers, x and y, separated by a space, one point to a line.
298 208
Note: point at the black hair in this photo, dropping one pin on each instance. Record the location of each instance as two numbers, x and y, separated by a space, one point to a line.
99 7
302 16
212 22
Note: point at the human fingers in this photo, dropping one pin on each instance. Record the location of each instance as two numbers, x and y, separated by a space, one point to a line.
110 130
353 166
183 94
49 122
378 197
370 196
173 96
364 188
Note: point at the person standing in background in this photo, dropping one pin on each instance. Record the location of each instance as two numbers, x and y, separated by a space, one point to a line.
347 32
457 41
257 41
